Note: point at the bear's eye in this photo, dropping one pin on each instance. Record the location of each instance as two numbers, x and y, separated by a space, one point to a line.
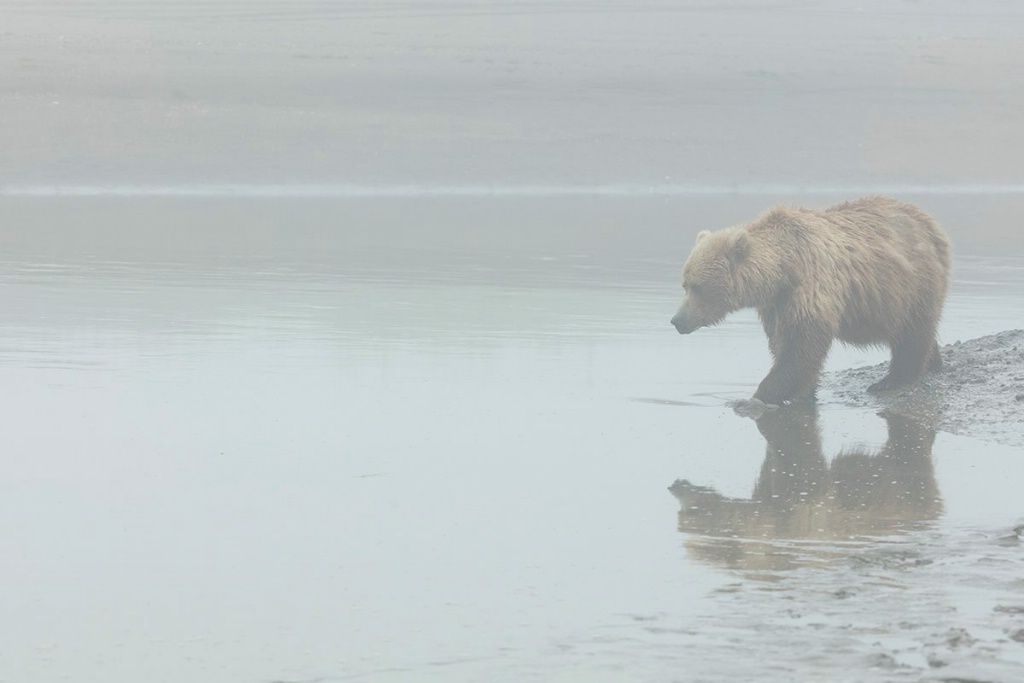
693 288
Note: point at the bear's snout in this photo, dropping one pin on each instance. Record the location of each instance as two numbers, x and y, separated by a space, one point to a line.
683 324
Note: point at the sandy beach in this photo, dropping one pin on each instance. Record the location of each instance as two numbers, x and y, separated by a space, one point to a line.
336 345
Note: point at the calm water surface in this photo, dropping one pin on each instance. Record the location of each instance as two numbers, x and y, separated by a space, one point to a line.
372 440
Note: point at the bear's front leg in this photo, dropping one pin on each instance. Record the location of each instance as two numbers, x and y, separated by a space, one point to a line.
798 361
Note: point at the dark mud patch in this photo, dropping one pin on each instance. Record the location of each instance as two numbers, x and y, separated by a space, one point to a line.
979 392
933 605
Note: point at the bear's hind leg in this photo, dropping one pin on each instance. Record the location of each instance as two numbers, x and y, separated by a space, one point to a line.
911 355
935 360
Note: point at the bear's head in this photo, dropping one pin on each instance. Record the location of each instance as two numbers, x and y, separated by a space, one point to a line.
712 278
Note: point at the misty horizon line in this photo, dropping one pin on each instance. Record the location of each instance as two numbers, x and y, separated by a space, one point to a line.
407 190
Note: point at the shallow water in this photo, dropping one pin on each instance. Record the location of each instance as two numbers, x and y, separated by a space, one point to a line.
333 439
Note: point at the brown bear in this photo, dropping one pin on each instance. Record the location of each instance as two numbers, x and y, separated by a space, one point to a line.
869 272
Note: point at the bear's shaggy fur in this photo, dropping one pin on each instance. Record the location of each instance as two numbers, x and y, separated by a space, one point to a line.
868 272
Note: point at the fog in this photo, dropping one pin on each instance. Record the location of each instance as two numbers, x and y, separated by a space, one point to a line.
537 93
335 343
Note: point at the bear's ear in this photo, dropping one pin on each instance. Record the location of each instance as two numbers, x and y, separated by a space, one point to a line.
702 234
739 246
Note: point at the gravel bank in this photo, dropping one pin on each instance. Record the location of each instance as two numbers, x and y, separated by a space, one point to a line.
979 392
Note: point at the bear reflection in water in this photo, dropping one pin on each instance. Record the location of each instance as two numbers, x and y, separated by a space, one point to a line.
801 496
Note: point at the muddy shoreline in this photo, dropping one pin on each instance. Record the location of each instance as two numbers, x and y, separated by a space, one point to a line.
979 392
